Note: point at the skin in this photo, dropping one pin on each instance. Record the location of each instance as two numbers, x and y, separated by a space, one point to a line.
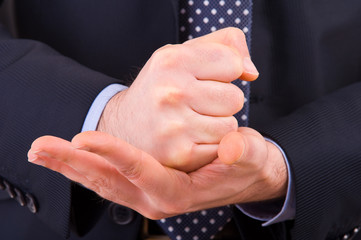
186 100
185 143
129 176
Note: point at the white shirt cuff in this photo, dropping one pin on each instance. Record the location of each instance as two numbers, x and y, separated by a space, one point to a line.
97 107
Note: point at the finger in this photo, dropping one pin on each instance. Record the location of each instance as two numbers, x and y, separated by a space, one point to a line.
230 36
137 166
160 185
218 99
212 61
210 130
43 159
241 147
198 156
41 153
208 60
63 151
84 167
203 155
236 39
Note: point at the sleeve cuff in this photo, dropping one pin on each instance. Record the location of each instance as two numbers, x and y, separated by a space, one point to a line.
97 107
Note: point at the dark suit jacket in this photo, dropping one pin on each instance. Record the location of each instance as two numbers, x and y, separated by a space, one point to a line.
308 99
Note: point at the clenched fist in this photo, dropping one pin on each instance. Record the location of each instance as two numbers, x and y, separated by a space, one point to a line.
182 102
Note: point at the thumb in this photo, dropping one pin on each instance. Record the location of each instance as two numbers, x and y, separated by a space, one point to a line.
246 143
231 148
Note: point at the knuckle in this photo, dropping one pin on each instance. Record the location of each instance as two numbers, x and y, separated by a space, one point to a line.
235 35
216 53
228 57
225 125
184 156
255 157
236 98
170 96
70 156
231 94
171 129
166 57
133 171
98 187
235 67
100 182
231 124
218 92
181 157
178 156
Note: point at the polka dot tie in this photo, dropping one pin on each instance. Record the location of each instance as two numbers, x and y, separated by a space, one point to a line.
201 225
197 18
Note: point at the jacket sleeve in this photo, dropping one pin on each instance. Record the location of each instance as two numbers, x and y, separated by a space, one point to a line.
308 101
322 141
41 93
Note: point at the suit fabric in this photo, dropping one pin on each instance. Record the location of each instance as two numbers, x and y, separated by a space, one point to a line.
307 99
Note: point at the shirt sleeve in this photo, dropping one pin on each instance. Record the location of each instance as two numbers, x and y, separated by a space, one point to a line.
97 107
274 211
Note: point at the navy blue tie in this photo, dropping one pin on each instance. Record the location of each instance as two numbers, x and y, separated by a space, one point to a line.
197 18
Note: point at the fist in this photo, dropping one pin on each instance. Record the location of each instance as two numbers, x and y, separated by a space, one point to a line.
182 102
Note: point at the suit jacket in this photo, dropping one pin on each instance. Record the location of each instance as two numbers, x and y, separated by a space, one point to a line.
308 99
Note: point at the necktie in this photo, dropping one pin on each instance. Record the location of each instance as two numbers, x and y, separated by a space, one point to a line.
197 18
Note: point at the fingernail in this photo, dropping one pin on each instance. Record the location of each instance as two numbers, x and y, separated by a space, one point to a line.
249 66
34 158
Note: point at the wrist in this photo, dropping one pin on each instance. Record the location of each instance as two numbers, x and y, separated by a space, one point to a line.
272 178
109 120
277 179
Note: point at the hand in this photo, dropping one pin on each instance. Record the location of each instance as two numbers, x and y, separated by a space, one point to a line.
249 169
181 104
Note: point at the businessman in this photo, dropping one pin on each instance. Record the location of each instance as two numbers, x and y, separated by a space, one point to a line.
306 100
